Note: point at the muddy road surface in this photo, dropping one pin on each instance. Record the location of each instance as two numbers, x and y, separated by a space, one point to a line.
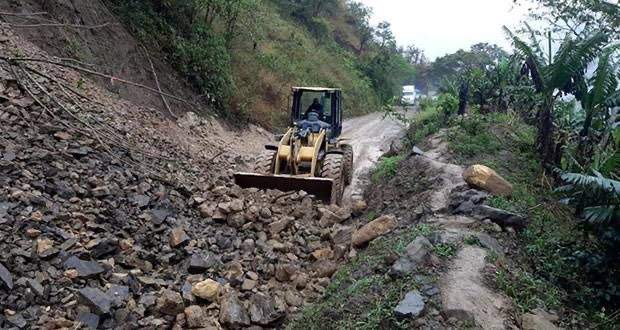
370 136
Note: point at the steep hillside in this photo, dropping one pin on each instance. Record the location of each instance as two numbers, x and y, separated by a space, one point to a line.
101 43
243 56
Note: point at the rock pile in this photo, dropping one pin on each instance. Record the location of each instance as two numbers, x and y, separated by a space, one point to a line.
107 222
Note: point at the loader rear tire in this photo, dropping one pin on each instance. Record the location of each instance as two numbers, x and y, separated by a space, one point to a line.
348 163
333 168
264 162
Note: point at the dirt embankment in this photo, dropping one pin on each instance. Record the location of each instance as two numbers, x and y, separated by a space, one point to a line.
102 43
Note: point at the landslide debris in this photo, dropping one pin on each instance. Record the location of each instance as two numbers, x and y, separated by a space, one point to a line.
112 216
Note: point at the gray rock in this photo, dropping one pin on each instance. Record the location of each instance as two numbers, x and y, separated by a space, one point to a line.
85 268
118 294
170 302
99 302
6 279
263 311
500 217
197 264
89 320
36 287
104 247
17 320
232 312
410 307
140 200
195 317
489 243
416 254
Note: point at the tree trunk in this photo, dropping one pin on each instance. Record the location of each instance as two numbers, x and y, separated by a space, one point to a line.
584 137
463 91
546 146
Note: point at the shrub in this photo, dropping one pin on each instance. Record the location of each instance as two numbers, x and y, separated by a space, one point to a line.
204 60
387 168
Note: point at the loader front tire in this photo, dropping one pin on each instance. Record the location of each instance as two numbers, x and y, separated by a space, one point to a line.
333 168
265 162
348 163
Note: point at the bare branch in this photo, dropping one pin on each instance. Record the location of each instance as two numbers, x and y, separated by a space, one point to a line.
163 98
75 26
112 78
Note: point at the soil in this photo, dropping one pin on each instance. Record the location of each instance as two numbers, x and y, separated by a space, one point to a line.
109 49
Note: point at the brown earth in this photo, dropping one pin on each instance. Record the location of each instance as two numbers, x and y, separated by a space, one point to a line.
109 49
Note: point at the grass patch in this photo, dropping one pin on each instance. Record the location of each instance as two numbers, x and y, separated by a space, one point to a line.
361 295
427 122
445 250
528 291
387 168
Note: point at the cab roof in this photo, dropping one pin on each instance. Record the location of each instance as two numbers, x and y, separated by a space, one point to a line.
315 89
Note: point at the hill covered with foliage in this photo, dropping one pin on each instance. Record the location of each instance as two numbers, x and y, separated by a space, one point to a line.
243 56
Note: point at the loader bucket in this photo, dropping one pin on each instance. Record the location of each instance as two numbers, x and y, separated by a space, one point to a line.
319 187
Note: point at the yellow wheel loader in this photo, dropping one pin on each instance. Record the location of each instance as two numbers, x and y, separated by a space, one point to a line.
309 156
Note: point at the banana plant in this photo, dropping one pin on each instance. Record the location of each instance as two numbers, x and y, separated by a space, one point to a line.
594 95
554 75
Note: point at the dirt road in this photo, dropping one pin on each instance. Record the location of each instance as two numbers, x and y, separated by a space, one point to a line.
370 136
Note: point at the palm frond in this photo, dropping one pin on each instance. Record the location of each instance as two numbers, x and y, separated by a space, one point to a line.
532 59
572 59
611 163
601 214
604 81
613 100
596 181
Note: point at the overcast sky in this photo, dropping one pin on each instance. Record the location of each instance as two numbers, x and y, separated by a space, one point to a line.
445 26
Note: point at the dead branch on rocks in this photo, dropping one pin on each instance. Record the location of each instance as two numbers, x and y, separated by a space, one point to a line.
215 157
163 98
66 85
112 78
25 87
74 26
3 13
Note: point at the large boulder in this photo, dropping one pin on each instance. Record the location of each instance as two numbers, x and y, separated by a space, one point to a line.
380 226
484 178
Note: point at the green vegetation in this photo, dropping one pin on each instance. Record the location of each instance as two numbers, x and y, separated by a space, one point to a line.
445 250
358 296
386 168
557 266
244 55
552 130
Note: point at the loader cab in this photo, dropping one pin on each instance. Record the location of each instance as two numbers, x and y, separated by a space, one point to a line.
330 100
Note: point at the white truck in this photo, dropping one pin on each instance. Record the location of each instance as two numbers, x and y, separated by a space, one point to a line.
409 95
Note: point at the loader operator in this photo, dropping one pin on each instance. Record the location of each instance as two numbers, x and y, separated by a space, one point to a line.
312 124
317 107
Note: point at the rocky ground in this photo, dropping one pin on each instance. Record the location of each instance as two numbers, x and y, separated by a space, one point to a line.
112 216
431 264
